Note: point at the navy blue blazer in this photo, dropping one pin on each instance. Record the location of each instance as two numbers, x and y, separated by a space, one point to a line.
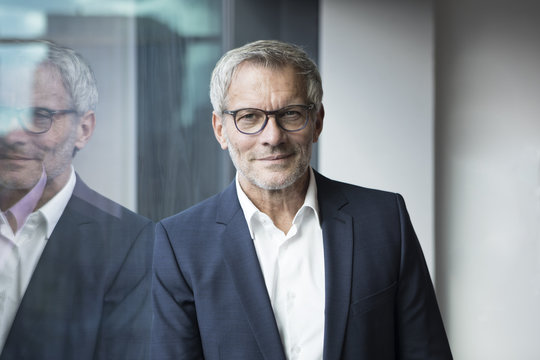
89 295
210 299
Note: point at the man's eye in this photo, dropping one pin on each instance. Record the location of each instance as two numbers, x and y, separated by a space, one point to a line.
291 113
249 116
41 114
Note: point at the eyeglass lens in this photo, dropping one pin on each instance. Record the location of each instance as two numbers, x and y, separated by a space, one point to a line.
34 120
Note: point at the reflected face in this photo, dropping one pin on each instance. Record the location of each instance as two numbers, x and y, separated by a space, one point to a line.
23 155
272 159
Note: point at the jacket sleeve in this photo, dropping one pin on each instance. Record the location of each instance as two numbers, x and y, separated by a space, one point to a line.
175 333
421 333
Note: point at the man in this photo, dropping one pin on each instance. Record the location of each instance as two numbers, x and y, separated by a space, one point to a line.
74 266
285 263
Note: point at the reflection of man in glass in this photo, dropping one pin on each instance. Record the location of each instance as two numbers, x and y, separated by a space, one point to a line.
73 265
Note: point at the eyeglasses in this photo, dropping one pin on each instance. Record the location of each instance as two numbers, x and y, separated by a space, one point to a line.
251 121
35 120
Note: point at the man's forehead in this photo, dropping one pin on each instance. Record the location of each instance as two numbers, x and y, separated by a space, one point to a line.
16 86
250 71
267 70
18 66
19 85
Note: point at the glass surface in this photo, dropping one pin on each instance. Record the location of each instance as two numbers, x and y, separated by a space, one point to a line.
153 149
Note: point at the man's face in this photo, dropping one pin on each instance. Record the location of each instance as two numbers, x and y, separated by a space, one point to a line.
23 155
272 159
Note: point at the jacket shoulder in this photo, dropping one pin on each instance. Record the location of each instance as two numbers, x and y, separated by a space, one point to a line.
204 210
103 210
354 195
218 208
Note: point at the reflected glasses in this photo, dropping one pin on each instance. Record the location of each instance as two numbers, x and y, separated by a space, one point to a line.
252 121
35 120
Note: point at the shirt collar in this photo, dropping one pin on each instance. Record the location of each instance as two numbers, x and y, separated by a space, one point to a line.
250 209
53 209
311 195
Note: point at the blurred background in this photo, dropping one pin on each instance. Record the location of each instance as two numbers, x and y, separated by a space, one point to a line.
437 100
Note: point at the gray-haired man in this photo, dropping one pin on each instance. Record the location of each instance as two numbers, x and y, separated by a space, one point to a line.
286 263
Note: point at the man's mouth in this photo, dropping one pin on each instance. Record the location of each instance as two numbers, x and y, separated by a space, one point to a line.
275 157
14 157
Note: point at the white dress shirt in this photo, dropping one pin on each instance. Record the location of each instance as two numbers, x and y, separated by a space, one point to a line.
293 268
20 253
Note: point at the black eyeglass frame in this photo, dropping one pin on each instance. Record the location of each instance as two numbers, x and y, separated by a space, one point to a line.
308 108
50 114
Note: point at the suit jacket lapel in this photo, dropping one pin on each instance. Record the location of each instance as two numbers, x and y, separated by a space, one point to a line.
243 264
338 252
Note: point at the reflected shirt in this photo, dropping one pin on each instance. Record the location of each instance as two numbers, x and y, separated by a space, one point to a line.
293 268
20 253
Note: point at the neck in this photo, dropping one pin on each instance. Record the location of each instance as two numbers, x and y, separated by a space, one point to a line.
280 205
9 197
53 187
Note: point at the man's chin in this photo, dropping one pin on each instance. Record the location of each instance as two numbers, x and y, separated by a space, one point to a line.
18 180
277 182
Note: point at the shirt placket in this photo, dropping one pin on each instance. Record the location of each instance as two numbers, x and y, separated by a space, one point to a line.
9 279
287 294
31 240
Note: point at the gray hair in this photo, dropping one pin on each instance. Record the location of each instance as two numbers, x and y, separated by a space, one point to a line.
267 53
77 76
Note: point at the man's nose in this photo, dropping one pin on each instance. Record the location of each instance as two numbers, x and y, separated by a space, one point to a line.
272 133
11 130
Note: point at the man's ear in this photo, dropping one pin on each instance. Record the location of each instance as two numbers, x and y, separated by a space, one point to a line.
319 118
85 129
219 130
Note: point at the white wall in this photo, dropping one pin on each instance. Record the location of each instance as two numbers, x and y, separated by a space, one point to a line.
488 179
376 60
